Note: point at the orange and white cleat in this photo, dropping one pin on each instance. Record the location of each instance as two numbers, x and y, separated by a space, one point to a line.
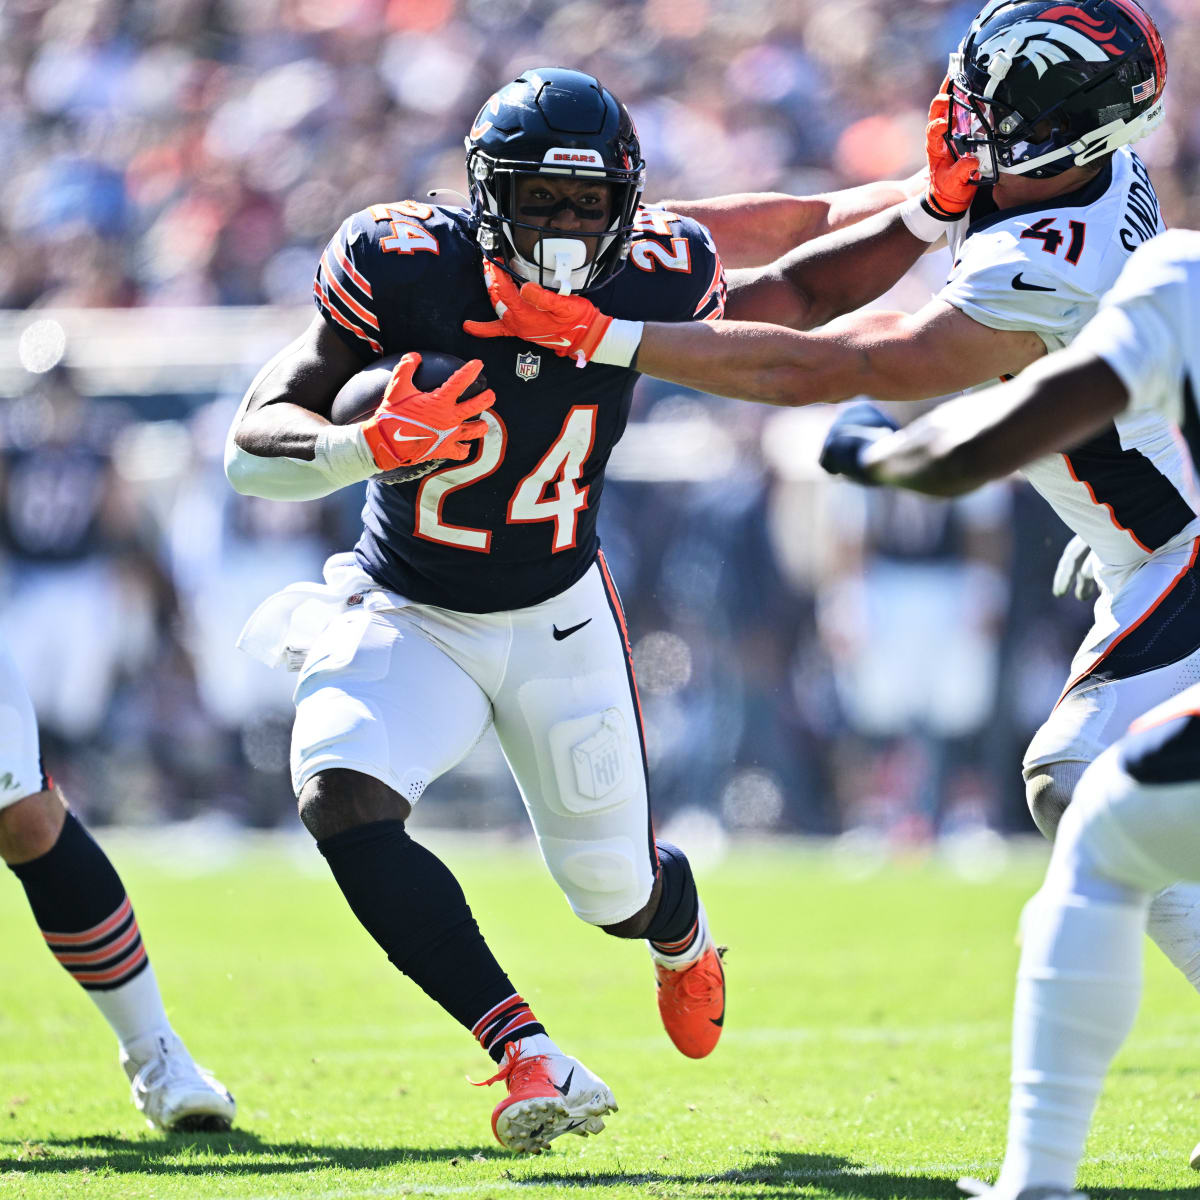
549 1094
691 1003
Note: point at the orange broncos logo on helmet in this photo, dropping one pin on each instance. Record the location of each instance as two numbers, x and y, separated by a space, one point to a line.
1085 23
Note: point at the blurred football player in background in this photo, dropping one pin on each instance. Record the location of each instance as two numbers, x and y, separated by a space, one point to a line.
1033 185
1132 827
477 594
84 913
68 529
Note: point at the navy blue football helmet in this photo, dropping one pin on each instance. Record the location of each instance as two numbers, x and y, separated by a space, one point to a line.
1039 86
554 121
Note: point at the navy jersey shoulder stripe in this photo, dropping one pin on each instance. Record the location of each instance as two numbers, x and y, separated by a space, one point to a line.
1140 498
342 293
1165 753
711 306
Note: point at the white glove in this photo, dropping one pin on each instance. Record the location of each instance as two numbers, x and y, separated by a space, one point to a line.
1076 571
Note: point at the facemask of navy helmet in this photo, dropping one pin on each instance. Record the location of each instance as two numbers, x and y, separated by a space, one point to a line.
1040 86
553 122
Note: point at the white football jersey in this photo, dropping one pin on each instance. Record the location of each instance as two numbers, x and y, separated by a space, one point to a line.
1127 492
1148 331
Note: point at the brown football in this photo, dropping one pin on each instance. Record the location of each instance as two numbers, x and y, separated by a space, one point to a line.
361 394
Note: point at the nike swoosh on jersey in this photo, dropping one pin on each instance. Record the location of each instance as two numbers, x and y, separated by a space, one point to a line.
559 634
1022 286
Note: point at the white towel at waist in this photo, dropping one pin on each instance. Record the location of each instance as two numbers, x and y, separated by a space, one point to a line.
284 626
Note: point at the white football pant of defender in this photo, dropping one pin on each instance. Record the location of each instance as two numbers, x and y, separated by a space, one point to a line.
1080 977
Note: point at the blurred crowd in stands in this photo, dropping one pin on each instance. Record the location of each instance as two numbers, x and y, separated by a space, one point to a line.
812 657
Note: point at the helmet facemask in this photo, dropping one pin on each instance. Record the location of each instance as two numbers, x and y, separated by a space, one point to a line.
568 260
1003 140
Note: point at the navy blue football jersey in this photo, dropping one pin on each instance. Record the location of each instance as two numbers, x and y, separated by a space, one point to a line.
52 500
516 523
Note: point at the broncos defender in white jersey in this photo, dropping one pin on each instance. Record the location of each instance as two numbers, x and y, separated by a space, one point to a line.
1034 186
85 916
1133 827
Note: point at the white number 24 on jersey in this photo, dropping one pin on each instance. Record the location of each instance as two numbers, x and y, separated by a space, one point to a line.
550 492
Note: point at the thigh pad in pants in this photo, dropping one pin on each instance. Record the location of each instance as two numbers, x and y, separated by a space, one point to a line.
569 727
377 697
589 805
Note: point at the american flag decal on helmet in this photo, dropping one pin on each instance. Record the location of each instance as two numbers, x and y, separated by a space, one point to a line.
1143 91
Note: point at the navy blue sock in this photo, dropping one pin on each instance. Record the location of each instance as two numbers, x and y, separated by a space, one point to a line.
676 925
410 903
80 905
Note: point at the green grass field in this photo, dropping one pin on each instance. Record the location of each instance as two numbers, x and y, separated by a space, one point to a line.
865 1051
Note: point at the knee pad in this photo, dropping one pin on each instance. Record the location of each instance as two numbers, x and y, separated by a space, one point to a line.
594 833
1048 791
605 881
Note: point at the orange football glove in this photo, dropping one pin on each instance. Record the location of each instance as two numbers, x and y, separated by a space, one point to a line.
952 181
410 426
568 325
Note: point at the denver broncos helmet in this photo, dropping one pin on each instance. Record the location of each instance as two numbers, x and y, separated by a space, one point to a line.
554 121
1039 86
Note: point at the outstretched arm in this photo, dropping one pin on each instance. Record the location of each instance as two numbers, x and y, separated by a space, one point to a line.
888 355
752 229
828 276
1054 405
843 270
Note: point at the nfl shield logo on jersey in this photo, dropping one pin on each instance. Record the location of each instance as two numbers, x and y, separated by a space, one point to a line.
528 366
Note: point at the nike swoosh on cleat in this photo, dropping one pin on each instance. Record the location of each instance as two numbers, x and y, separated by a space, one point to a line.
563 1088
1022 286
559 634
719 1022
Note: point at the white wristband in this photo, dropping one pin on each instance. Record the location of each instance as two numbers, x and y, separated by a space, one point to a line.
343 456
921 223
620 343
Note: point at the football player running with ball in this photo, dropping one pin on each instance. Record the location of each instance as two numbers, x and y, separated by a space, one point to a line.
477 595
84 913
1133 827
1041 200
